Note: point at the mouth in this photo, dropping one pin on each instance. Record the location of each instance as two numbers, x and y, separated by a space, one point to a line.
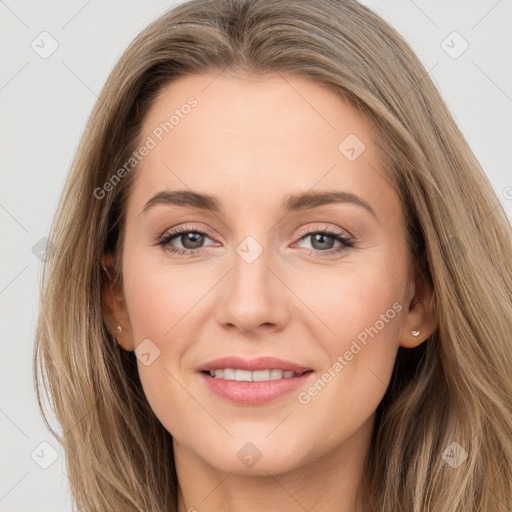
253 382
240 375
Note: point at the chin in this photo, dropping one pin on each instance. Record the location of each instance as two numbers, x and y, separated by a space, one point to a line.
269 464
258 457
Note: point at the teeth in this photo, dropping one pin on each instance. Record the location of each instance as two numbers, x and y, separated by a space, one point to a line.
243 375
248 376
261 375
229 373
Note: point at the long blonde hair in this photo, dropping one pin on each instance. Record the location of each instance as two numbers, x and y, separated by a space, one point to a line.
456 388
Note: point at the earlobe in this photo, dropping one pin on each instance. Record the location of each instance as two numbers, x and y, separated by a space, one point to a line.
415 339
115 314
419 321
418 326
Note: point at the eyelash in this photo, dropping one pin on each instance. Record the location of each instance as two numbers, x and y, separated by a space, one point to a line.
164 241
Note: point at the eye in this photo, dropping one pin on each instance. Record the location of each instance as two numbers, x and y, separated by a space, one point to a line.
322 241
190 238
192 241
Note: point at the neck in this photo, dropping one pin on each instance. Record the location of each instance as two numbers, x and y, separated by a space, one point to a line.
329 482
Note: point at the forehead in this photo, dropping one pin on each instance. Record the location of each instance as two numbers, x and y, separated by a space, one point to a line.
252 113
251 140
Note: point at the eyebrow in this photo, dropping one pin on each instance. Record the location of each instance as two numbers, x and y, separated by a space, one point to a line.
291 202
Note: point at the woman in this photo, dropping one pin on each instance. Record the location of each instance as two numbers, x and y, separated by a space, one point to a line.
251 371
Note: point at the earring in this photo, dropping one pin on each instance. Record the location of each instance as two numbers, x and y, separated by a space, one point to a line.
107 272
119 328
415 333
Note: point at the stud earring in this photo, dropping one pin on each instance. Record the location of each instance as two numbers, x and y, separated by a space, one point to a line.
415 333
120 329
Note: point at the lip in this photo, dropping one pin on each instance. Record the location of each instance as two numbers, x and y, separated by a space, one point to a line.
254 393
260 363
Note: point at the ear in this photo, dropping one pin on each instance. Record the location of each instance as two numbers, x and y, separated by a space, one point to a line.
419 315
114 308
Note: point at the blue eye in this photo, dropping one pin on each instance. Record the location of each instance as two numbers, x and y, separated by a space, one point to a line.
192 240
183 233
322 237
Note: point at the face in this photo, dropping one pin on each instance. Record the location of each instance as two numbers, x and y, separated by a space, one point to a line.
322 285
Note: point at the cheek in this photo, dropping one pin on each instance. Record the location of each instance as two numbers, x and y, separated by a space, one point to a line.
359 365
162 303
159 297
361 313
353 297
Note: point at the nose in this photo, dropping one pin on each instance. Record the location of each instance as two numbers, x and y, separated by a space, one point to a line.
253 295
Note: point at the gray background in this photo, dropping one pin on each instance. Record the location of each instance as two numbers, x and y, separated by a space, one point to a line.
45 103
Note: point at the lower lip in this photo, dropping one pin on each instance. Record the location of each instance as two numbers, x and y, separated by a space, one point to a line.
254 393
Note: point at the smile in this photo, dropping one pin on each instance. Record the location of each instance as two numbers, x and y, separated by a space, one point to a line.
256 376
253 381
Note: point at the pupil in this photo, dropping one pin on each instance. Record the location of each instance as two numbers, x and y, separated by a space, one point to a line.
197 238
321 236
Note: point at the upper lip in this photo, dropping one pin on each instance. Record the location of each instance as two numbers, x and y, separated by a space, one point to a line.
260 363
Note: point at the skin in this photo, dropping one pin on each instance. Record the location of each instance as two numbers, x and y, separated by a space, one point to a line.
251 141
